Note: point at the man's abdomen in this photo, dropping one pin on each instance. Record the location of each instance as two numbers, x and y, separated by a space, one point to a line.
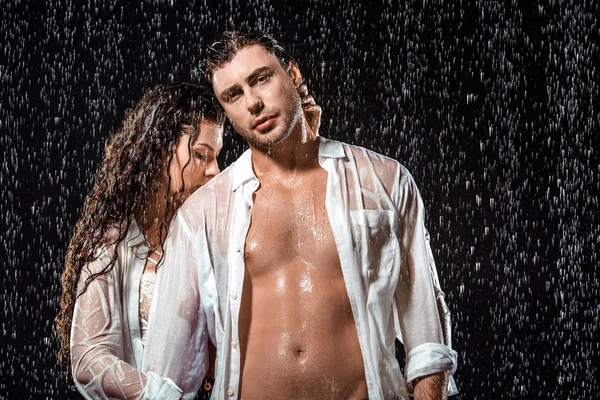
298 336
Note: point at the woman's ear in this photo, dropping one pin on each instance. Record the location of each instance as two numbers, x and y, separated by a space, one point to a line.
295 73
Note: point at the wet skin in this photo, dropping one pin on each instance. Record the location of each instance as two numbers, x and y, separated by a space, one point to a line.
297 333
298 338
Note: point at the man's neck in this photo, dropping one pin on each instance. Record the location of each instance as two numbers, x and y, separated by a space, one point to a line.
284 161
297 154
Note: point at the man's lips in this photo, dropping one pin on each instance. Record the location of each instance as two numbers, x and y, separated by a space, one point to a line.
264 122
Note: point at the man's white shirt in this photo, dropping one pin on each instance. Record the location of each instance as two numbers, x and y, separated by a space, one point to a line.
377 219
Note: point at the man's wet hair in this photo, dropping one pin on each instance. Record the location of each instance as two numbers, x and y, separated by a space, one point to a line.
224 49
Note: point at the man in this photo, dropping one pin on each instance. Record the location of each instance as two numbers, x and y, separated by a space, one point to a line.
311 255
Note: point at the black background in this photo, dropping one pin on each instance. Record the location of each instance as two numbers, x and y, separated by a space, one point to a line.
493 107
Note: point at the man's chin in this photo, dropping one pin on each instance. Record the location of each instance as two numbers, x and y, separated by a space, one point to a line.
267 139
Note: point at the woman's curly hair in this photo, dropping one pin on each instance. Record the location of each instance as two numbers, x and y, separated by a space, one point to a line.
128 173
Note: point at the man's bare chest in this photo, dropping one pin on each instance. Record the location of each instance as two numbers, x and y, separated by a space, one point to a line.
290 224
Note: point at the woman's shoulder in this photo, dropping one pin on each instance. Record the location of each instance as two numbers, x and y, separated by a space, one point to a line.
115 234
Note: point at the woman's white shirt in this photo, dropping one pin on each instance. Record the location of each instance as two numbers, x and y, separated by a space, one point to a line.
106 346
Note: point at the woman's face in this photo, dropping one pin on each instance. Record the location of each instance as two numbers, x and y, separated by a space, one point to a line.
202 156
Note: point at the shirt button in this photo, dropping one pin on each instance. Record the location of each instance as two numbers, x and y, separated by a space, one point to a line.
237 248
233 296
230 392
234 344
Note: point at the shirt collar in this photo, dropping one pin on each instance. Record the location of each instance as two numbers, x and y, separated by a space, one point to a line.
330 148
243 172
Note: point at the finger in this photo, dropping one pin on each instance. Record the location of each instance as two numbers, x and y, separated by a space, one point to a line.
308 100
311 108
303 90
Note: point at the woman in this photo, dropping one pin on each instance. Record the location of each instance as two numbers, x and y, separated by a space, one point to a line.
165 150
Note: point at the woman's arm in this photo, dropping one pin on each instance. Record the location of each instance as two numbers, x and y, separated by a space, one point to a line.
97 344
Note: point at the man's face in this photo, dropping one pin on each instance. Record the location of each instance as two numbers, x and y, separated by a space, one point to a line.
259 96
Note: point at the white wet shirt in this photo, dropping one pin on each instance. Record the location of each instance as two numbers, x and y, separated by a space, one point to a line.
106 345
377 218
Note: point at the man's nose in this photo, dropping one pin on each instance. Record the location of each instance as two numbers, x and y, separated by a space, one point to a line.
255 104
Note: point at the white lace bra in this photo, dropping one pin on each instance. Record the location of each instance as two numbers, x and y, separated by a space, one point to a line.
146 288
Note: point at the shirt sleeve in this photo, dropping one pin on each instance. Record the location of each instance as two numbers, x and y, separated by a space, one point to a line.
423 315
98 367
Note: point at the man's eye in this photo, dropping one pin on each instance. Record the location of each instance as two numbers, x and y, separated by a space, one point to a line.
262 78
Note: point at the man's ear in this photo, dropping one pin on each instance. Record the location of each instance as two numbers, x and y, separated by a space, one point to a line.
295 73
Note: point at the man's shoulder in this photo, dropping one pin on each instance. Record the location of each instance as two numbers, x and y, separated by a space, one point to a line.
214 191
379 163
362 154
221 182
376 172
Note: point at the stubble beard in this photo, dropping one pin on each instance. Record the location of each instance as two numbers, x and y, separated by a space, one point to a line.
276 136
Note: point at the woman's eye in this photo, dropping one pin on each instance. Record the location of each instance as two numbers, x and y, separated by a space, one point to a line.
202 156
232 96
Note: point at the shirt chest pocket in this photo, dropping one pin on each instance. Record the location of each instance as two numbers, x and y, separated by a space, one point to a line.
376 244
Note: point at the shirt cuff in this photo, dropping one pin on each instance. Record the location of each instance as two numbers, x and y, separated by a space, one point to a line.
431 358
159 388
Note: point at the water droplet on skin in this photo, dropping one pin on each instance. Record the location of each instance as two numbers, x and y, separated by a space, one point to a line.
484 102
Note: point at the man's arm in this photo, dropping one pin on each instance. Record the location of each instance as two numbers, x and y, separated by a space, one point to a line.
177 339
431 387
423 316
